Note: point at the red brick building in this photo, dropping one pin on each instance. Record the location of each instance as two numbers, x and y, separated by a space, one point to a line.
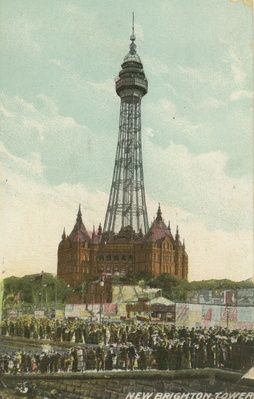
82 257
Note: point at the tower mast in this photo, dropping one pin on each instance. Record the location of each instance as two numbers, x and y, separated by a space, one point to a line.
127 204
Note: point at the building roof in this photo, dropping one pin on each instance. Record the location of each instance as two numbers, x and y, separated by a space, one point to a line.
158 229
161 301
131 293
79 232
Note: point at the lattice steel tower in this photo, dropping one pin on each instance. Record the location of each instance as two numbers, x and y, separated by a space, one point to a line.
127 204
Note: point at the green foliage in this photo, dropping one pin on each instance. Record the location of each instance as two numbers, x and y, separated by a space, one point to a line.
176 289
220 284
34 289
42 289
132 278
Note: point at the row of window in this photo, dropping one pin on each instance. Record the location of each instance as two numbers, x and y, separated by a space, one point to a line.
125 258
116 269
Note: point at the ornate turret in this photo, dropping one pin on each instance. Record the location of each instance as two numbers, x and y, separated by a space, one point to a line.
140 234
177 236
93 233
99 230
159 214
64 235
79 232
158 228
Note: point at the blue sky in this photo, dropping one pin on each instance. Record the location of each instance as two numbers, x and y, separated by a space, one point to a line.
59 123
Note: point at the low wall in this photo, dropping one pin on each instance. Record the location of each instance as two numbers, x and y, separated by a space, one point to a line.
117 385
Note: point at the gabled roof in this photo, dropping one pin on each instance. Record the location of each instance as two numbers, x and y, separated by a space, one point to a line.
158 229
79 232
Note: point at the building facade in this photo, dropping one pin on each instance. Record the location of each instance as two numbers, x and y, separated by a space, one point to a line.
82 257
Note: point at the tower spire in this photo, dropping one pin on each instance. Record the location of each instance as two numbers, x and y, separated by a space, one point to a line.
159 214
79 214
133 38
133 34
127 205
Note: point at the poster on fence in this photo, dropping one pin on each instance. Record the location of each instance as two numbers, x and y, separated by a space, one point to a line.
77 311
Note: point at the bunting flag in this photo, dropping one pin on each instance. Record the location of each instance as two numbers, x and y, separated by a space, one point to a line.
245 314
182 312
195 315
228 313
207 313
94 308
110 309
216 313
121 309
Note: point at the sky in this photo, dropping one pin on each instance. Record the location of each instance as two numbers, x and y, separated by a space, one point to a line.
59 124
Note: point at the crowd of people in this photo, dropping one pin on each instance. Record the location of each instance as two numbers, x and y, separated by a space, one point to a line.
125 346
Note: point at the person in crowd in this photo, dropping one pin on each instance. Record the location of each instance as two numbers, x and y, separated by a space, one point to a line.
135 345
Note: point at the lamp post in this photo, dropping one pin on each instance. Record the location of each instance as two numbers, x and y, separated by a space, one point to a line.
101 291
55 293
46 295
83 291
40 299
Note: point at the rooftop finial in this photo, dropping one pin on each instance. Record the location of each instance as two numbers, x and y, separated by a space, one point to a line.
64 234
159 214
79 215
100 230
177 236
133 37
169 228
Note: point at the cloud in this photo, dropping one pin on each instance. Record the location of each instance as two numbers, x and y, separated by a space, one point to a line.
19 36
148 131
213 253
31 166
39 127
155 66
199 184
212 103
241 94
205 75
172 119
5 112
107 86
237 66
34 120
33 214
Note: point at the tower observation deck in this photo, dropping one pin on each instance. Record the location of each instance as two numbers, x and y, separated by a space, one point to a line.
127 204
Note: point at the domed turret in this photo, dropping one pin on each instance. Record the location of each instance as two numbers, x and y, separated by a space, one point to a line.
131 84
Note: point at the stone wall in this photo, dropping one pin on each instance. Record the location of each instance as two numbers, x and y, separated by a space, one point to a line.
116 385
